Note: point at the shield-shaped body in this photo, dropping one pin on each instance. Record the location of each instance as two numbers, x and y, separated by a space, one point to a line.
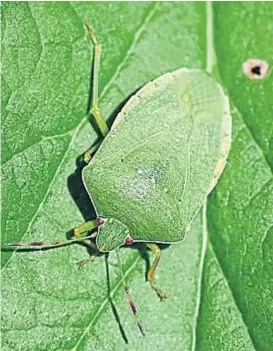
164 154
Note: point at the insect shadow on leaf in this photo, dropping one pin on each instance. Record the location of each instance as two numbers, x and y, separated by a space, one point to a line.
75 181
113 307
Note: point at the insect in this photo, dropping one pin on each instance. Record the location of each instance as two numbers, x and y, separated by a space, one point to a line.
153 170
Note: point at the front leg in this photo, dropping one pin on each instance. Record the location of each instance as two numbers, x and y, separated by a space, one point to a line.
96 112
84 228
90 152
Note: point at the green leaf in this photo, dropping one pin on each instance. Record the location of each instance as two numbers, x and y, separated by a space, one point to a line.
219 280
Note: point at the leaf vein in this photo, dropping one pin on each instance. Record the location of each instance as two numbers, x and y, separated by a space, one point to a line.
21 152
48 189
200 277
132 46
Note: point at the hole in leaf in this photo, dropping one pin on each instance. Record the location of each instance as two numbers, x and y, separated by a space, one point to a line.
255 68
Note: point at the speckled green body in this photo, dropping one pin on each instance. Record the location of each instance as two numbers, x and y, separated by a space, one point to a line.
162 157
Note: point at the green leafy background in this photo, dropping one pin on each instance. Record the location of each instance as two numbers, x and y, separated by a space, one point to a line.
219 280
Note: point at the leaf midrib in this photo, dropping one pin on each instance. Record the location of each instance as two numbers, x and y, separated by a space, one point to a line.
211 56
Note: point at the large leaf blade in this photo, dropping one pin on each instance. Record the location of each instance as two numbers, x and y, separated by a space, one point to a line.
58 307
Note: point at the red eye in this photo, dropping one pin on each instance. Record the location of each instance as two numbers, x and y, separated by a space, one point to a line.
99 221
129 240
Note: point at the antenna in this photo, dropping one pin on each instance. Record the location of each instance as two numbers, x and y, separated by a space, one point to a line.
130 300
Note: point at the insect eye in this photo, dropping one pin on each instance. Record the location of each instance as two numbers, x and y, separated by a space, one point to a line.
122 160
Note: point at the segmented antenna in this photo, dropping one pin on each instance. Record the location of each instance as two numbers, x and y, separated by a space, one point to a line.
130 300
44 244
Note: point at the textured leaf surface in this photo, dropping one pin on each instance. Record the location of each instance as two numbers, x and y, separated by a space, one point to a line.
219 280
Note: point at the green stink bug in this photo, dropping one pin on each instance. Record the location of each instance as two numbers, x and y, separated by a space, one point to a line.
154 169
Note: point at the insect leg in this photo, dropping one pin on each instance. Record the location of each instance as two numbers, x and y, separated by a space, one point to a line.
94 248
96 112
89 153
84 228
130 300
157 252
83 262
